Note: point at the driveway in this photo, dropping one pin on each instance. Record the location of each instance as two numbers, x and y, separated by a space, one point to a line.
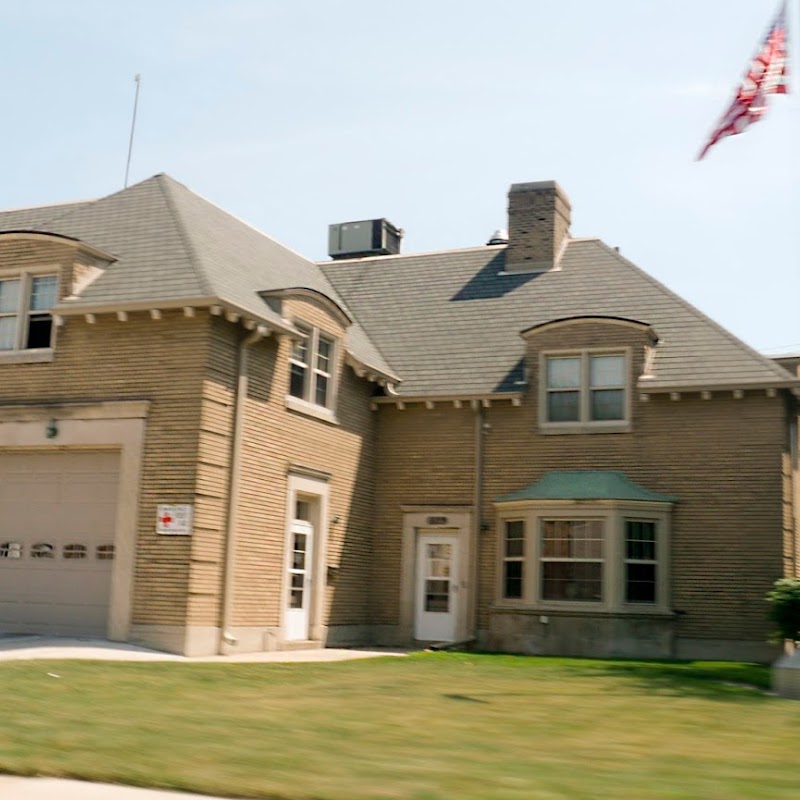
12 788
17 648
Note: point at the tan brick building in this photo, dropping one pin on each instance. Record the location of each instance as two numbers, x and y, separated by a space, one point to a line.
210 444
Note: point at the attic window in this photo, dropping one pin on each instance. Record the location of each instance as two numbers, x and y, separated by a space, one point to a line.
311 367
25 319
586 389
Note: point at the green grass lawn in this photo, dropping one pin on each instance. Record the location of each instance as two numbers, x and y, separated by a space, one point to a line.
433 725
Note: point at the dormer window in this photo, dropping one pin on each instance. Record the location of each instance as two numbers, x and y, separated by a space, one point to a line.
311 367
584 390
26 300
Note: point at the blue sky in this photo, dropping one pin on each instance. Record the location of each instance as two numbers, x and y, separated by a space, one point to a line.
293 115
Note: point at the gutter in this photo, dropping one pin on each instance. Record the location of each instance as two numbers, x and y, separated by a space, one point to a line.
226 638
477 512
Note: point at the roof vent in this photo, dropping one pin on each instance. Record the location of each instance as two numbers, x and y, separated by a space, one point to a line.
500 236
364 238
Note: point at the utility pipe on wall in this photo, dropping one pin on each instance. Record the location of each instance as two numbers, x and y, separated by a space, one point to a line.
229 579
477 513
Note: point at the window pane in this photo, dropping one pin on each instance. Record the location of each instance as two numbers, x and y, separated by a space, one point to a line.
572 580
640 583
563 373
515 548
300 351
43 293
297 380
324 354
9 296
512 579
606 371
572 539
640 544
40 330
515 538
321 392
608 404
563 406
8 333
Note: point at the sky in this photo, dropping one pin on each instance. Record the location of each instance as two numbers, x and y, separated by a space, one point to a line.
294 114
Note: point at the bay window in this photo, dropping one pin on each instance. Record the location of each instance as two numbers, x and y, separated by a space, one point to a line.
609 558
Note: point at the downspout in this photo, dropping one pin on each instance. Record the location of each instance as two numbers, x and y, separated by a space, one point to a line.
795 487
477 512
226 638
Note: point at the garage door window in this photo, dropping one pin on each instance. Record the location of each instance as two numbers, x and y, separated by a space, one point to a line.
75 551
105 552
43 550
10 550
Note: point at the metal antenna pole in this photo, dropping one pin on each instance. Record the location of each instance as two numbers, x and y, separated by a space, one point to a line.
137 80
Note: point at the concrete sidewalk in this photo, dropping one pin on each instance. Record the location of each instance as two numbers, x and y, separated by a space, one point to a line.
18 648
13 788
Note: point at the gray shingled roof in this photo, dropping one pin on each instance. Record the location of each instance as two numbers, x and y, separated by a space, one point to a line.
171 244
450 323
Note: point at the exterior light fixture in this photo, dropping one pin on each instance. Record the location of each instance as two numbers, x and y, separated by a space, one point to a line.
51 431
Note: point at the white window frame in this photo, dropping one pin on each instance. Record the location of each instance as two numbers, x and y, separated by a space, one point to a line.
584 423
614 515
22 313
602 560
657 547
506 559
307 403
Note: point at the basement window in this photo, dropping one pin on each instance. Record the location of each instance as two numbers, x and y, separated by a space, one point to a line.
26 300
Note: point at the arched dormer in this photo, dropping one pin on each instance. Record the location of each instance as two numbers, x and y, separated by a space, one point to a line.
37 270
583 371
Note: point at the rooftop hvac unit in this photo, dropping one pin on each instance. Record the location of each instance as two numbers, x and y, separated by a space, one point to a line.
366 237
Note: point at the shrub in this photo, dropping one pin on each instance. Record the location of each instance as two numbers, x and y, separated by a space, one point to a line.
784 600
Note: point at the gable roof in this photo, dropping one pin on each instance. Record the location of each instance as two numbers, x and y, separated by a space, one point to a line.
586 484
171 244
450 322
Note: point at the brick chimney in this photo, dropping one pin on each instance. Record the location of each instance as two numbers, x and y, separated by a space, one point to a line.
538 226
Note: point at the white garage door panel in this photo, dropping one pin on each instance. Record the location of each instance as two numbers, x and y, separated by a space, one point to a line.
58 499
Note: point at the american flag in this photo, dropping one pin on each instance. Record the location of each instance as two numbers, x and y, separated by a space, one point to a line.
768 74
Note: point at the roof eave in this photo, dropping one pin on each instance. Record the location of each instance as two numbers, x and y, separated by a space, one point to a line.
69 309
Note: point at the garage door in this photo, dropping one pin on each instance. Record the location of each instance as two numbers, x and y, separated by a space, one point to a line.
57 520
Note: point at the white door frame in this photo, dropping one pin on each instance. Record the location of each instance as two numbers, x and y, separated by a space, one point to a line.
456 521
117 425
436 628
315 490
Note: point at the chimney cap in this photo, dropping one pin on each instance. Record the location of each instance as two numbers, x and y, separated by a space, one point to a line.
539 186
500 236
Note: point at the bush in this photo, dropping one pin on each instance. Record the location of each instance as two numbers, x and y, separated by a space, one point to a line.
784 600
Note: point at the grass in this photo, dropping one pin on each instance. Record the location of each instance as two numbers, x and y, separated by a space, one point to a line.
429 726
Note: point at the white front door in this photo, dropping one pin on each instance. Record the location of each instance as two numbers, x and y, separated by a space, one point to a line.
436 588
301 541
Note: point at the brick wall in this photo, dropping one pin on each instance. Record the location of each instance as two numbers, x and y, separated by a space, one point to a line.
722 457
157 360
538 222
277 440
